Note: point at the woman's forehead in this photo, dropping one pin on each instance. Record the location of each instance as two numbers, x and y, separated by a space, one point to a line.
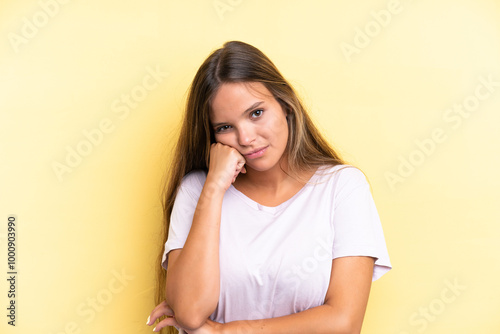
238 96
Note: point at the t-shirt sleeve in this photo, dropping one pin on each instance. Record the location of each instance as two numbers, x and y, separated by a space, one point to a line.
182 213
356 223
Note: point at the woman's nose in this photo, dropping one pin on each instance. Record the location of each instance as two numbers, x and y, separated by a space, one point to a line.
246 136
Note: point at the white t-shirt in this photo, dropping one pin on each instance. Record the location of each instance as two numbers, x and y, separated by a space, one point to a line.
276 261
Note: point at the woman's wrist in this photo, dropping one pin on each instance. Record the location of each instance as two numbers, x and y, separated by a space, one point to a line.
220 328
233 327
213 188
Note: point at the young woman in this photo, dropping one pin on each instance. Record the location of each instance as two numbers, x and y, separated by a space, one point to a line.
269 230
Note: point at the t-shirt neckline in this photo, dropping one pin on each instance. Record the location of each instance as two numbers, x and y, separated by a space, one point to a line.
278 208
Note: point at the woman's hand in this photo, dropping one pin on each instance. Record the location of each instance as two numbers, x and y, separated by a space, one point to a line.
161 310
210 327
225 165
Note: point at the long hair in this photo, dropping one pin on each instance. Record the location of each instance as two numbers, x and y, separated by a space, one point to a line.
236 62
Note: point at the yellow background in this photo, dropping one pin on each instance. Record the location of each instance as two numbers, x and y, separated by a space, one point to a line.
80 230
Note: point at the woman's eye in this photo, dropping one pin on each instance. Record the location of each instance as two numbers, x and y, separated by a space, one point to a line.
257 113
222 128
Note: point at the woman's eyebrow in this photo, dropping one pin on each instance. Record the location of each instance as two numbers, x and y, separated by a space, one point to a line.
255 105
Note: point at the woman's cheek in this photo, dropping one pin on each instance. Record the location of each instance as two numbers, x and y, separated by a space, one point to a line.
226 139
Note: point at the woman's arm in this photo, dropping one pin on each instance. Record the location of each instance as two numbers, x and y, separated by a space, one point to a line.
192 287
343 311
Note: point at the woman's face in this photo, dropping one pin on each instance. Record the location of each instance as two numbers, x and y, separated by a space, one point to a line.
247 117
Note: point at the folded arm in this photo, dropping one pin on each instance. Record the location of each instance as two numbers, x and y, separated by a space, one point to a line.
192 286
342 312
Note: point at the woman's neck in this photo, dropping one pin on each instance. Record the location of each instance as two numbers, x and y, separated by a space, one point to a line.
273 186
274 179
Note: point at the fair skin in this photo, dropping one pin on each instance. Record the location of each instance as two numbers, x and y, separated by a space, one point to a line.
251 133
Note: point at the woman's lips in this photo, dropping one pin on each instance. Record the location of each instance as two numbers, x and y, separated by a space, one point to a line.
256 154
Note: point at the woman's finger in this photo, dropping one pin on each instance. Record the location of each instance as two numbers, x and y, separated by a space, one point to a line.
161 305
164 323
160 310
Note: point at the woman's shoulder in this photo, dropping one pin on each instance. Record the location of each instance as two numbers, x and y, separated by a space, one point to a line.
341 172
342 180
